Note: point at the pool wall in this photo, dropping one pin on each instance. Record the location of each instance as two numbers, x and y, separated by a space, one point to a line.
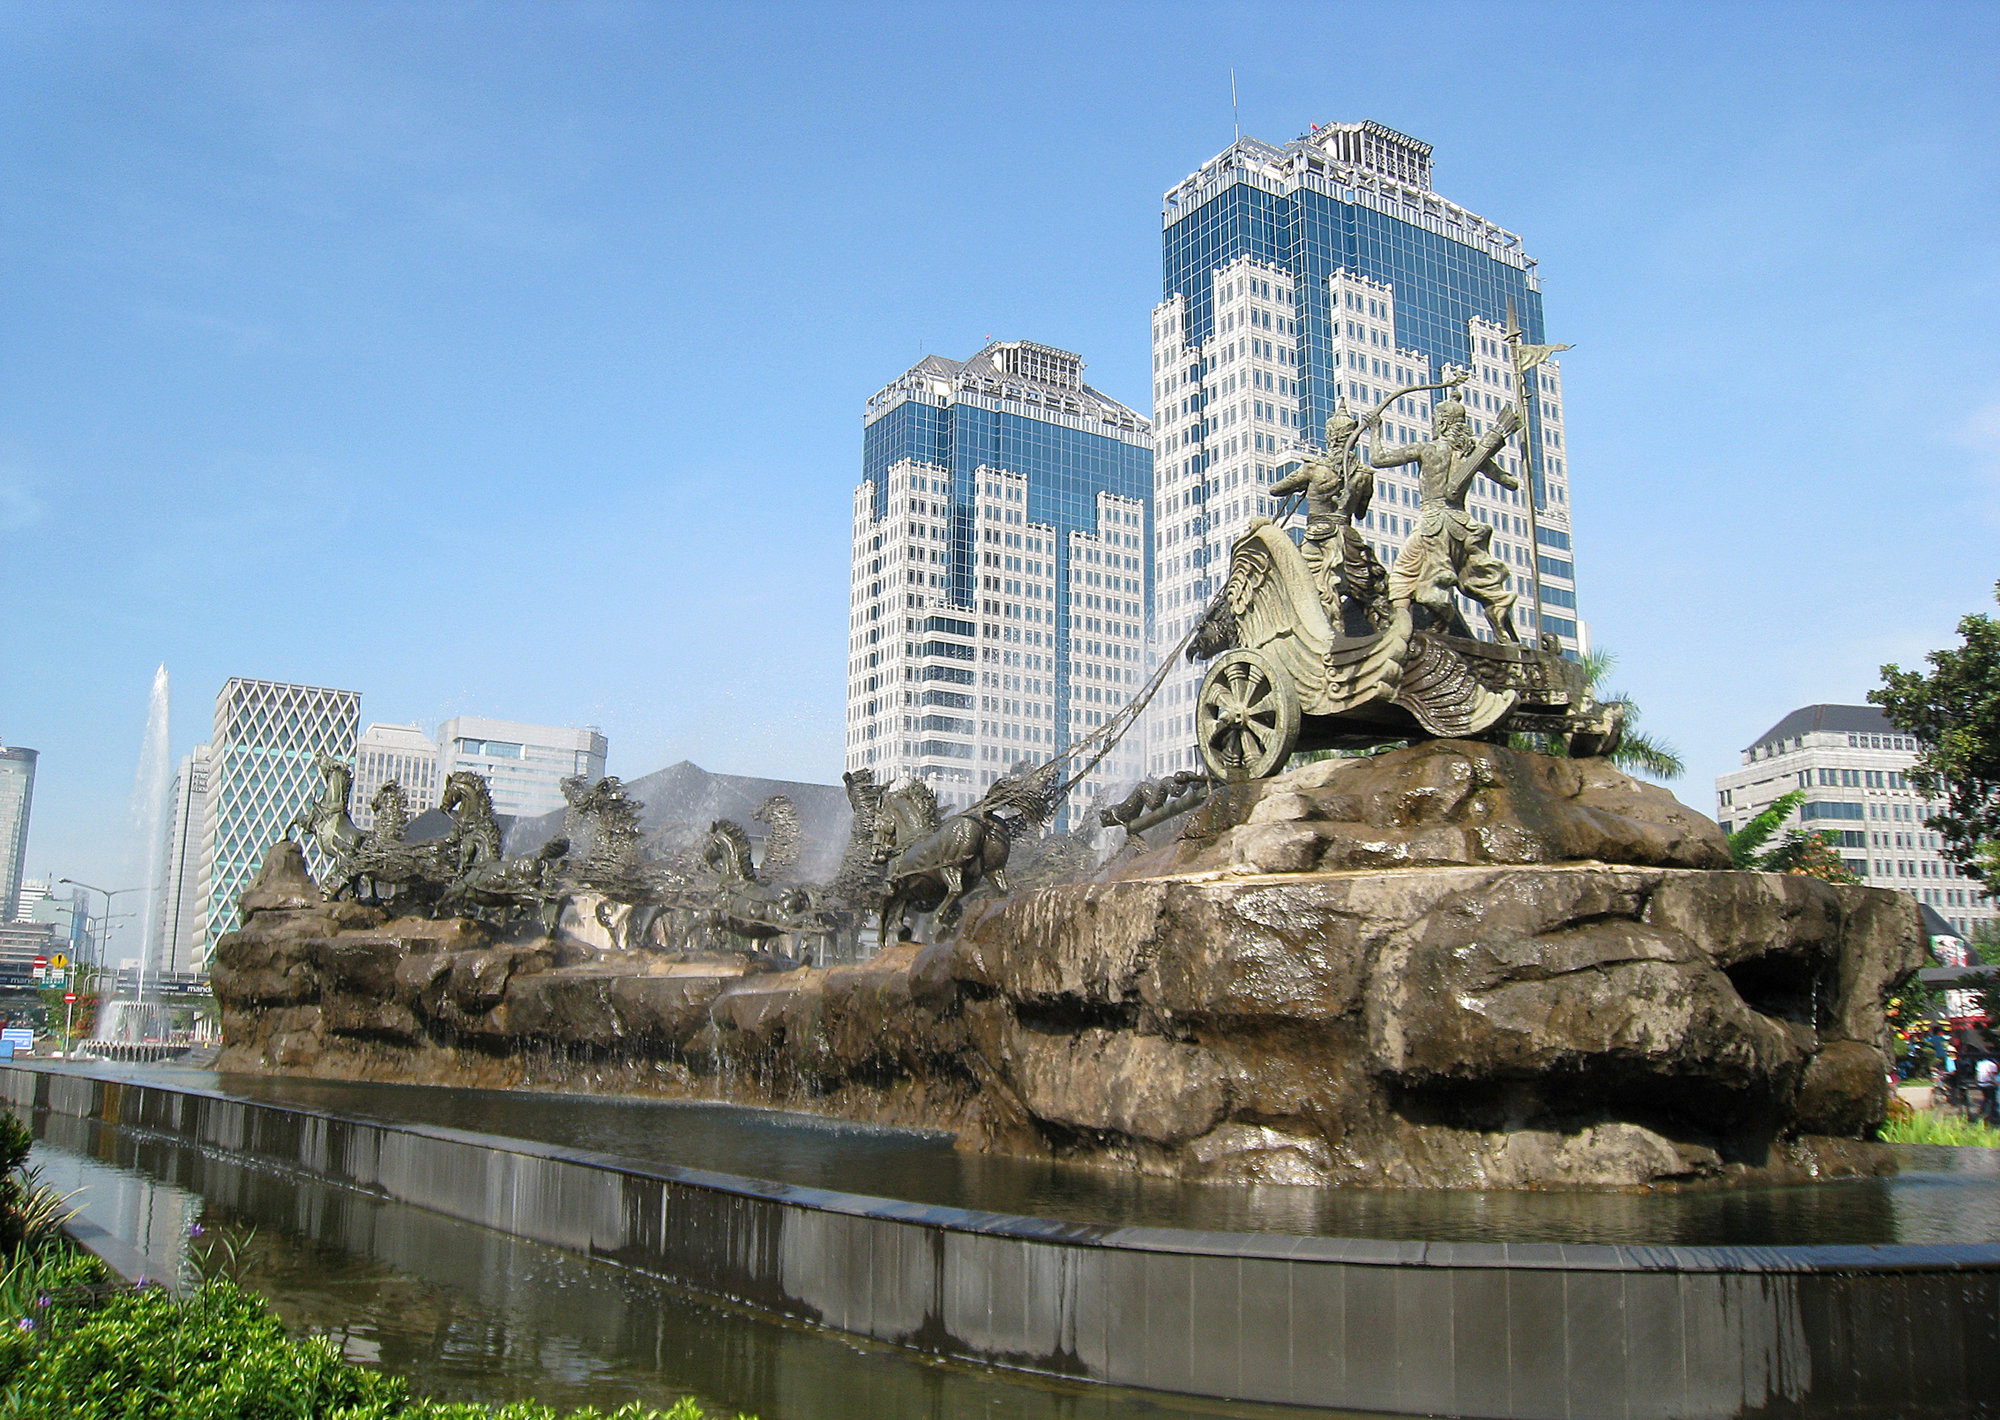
1468 1329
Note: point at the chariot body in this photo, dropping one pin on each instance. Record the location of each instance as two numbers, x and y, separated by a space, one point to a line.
1282 678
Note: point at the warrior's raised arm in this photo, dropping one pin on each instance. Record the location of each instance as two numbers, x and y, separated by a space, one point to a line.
1382 455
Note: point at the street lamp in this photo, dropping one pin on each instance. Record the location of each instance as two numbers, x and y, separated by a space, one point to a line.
108 894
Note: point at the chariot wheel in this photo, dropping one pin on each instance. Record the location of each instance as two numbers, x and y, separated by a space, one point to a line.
1246 717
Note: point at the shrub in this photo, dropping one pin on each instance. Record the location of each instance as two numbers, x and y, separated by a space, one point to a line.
76 1343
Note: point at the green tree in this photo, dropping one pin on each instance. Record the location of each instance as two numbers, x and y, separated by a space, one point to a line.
1808 855
1746 845
1954 715
1811 855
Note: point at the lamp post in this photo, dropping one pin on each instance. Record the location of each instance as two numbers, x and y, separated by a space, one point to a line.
108 894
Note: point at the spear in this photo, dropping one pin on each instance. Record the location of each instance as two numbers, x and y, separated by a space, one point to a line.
1525 358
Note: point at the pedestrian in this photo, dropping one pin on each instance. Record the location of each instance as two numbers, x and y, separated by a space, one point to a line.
1987 1076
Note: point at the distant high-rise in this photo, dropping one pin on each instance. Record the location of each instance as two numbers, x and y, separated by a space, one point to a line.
1299 277
178 931
403 753
1853 767
523 765
997 605
17 799
262 769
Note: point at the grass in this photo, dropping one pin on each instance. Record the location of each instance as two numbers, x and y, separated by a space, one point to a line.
1937 1127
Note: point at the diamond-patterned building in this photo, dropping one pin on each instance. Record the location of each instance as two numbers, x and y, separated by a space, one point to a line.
261 771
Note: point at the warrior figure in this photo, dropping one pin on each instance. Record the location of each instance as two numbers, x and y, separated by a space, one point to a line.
1449 548
1339 486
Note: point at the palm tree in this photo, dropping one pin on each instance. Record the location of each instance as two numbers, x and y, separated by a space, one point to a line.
1746 845
1636 750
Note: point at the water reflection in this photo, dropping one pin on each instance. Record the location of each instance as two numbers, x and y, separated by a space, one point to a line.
468 1314
1942 1195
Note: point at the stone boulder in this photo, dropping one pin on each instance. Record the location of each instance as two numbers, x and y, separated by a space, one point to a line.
1460 1027
1442 803
1452 965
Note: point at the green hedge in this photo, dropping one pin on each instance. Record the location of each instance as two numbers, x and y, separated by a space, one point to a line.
74 1343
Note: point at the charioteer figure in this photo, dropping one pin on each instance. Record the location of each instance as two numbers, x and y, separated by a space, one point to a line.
1339 486
1450 548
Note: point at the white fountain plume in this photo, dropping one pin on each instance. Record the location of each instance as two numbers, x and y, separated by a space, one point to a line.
150 791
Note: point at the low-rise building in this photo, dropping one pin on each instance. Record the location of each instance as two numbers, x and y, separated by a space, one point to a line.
523 765
1853 767
403 753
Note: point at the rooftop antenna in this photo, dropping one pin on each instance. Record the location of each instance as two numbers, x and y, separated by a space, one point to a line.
1235 114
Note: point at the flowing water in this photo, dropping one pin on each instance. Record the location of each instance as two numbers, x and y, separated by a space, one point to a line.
1941 1195
468 1314
151 787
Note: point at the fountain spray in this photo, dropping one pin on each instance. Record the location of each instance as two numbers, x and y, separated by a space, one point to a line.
150 791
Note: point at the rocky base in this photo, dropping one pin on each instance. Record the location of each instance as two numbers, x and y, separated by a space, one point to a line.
1536 1022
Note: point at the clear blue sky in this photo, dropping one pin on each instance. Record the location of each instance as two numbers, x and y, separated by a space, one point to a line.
509 359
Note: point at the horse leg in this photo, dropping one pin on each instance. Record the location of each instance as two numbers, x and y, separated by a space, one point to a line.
954 889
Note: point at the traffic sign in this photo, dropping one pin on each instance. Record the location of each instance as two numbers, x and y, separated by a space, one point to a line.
41 962
69 998
58 961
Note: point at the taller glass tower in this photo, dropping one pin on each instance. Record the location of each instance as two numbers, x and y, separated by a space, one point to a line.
997 607
1302 276
17 800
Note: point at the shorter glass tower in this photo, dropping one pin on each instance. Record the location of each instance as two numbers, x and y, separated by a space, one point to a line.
998 602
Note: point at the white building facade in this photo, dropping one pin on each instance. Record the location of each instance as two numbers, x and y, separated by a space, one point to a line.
999 589
177 931
404 753
1300 279
1853 767
523 765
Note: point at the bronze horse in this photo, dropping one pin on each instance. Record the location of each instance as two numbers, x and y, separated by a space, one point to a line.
932 865
326 820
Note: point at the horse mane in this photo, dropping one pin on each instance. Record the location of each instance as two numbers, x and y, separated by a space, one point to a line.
1031 791
473 786
914 800
781 844
391 808
728 836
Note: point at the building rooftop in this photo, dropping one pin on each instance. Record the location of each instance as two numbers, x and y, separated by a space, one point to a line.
1826 719
1037 380
1366 163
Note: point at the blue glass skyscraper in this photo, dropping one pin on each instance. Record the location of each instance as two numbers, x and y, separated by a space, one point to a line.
999 591
1300 277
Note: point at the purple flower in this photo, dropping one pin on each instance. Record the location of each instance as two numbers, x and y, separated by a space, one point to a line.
195 1230
26 1323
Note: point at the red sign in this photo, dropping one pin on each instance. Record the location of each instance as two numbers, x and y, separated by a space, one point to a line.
69 998
41 963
